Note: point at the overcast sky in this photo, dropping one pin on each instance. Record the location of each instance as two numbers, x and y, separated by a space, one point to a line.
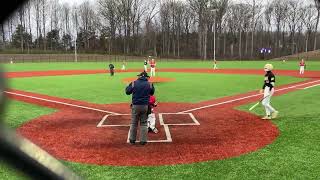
80 1
71 2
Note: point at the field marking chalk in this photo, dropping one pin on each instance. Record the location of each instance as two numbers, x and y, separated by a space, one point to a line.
104 118
58 102
311 86
195 121
246 97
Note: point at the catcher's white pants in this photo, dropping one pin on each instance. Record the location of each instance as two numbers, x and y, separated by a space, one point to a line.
301 69
152 121
145 68
153 72
266 101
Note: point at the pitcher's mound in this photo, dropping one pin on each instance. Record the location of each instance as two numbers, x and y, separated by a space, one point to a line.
152 79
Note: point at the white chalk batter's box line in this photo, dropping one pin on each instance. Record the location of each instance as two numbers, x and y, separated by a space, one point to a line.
161 121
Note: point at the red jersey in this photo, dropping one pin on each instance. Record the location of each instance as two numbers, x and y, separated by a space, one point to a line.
152 103
153 64
302 63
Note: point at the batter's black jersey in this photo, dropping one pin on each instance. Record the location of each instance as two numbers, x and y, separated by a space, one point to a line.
145 63
111 66
269 80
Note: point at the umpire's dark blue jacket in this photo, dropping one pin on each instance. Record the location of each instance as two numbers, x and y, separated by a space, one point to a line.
141 90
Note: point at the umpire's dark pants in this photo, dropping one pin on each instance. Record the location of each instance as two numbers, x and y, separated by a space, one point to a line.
139 114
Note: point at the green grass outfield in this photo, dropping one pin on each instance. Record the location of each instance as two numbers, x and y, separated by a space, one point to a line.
294 155
103 89
311 65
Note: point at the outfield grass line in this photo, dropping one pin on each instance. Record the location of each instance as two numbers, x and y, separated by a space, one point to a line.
63 103
311 86
246 97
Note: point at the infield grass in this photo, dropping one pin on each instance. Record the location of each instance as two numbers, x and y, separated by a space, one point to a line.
103 89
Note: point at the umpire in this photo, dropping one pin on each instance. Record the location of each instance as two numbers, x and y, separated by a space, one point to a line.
141 90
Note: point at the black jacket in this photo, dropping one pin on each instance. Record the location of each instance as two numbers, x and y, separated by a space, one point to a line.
111 66
141 90
269 80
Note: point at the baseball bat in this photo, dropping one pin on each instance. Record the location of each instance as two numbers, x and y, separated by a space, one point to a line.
255 105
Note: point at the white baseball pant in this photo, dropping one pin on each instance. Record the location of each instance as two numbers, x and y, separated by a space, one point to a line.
266 101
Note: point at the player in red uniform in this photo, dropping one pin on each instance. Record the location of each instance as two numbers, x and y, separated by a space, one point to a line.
302 65
151 115
153 68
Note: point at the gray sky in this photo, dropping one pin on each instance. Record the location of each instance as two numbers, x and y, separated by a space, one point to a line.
71 2
80 1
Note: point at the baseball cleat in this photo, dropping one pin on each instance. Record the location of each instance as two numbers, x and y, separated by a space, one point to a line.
266 118
143 143
132 142
155 130
274 114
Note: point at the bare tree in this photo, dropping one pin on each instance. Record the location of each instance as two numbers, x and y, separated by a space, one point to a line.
87 16
150 27
279 15
201 9
309 20
268 15
21 16
257 12
3 33
66 18
36 4
166 27
293 17
317 5
108 10
44 20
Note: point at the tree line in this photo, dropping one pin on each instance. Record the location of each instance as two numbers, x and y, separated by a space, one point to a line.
167 28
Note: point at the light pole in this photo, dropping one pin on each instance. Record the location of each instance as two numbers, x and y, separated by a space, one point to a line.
214 33
75 50
76 37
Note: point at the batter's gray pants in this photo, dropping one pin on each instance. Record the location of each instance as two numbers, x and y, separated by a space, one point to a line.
139 114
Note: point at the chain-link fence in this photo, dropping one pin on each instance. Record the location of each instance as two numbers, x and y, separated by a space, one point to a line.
36 58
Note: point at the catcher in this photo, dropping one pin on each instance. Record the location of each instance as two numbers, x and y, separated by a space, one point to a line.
268 90
151 115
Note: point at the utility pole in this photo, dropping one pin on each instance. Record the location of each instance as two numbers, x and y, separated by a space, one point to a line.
214 33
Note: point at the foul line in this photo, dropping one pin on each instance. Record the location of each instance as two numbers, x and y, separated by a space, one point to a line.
311 86
246 97
58 102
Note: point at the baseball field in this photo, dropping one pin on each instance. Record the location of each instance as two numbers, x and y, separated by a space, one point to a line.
80 114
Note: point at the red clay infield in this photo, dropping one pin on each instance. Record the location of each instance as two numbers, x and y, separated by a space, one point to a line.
189 132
